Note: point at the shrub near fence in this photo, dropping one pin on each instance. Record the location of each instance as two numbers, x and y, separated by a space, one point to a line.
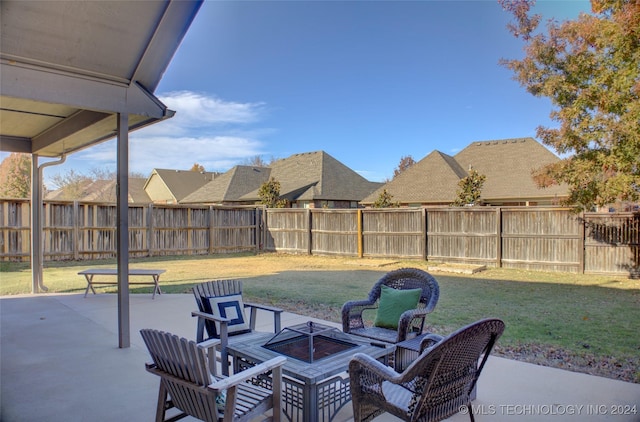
550 239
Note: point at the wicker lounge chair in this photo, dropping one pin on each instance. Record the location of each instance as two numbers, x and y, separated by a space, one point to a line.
410 322
434 387
188 382
218 326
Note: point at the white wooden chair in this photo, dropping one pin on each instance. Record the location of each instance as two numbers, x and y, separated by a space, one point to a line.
212 326
188 382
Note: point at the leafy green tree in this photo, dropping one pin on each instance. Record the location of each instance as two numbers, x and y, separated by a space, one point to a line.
15 176
590 70
269 194
470 189
385 200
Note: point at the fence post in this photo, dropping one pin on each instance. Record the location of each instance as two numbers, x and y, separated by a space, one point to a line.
150 230
582 251
189 230
309 234
263 220
211 211
499 237
76 231
424 233
5 247
256 229
360 236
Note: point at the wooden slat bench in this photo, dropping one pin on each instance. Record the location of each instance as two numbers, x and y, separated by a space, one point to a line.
91 272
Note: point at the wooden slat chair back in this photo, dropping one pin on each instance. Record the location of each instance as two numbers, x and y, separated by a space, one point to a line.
188 382
411 322
437 385
213 288
217 328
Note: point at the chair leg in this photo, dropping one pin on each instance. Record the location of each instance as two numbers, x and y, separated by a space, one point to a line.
470 411
162 401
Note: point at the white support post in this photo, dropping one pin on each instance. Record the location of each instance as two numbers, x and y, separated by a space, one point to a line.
36 227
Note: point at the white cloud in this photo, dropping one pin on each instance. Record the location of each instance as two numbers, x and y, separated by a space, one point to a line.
217 153
199 112
214 133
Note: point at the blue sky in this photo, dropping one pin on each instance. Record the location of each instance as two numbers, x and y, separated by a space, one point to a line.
366 81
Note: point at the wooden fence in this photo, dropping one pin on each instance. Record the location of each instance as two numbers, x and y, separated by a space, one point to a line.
82 231
548 239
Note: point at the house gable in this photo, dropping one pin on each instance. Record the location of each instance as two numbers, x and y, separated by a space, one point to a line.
230 186
508 165
316 176
434 179
171 186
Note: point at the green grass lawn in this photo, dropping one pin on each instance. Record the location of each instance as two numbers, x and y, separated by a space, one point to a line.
579 322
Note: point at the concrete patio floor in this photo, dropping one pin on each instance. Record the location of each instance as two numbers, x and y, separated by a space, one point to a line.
60 361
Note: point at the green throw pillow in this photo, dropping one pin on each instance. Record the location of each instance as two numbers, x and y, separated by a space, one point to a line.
393 303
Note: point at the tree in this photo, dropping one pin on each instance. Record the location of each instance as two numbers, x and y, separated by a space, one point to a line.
102 173
15 176
197 167
405 162
74 185
71 183
258 161
385 200
470 189
590 70
269 194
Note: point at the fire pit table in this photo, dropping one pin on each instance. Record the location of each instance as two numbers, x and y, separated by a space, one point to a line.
315 382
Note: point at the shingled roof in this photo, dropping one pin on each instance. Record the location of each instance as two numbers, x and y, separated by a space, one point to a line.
435 177
230 186
507 165
308 176
314 176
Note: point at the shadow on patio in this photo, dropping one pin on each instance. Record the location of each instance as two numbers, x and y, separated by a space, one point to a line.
59 361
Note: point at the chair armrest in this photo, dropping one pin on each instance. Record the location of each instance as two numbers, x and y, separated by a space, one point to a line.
223 335
277 315
235 379
210 348
409 319
264 307
352 313
429 341
209 344
367 375
209 317
231 383
224 326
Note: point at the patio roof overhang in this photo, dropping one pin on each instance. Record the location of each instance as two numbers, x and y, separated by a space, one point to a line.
74 74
